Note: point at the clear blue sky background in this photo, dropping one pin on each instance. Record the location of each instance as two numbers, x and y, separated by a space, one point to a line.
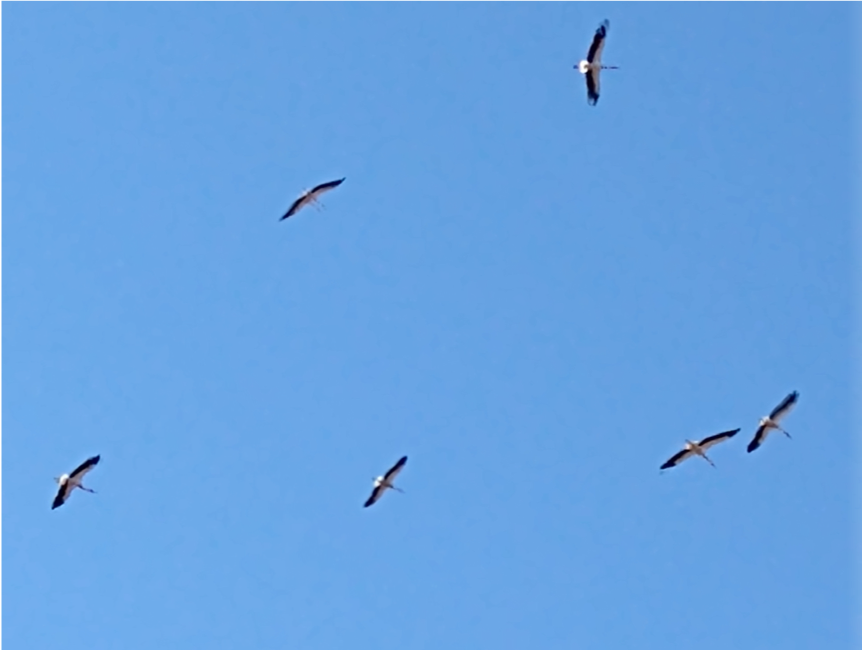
536 300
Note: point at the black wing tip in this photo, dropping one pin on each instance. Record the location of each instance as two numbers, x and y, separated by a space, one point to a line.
92 461
292 210
294 207
752 446
674 460
592 95
720 436
331 184
786 403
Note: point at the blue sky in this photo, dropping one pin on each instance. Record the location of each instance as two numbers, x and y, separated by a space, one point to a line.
536 300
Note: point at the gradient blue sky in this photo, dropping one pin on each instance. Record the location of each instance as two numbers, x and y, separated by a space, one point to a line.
536 300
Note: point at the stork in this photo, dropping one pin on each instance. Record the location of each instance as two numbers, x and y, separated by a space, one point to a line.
771 421
699 448
68 482
592 65
385 481
310 197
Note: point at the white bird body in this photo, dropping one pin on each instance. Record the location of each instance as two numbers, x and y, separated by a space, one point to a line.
68 482
695 448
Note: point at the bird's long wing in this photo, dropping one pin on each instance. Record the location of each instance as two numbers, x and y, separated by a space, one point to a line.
375 494
595 52
79 472
759 437
296 206
592 86
709 441
397 467
677 458
325 187
785 407
62 493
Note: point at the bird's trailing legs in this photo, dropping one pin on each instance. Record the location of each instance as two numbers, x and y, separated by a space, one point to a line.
610 67
86 489
706 458
785 433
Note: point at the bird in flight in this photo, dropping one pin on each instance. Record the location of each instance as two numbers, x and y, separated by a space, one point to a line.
592 66
381 483
68 482
310 197
699 448
771 421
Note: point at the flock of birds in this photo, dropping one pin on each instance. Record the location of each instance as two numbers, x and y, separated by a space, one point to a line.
68 482
767 424
591 68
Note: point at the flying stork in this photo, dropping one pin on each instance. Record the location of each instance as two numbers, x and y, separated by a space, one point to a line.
68 482
771 421
699 448
310 197
592 65
385 481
